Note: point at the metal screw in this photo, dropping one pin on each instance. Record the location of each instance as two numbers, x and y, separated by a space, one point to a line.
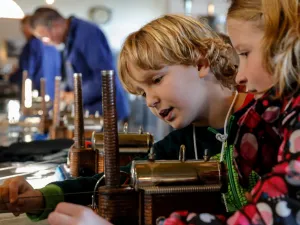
182 153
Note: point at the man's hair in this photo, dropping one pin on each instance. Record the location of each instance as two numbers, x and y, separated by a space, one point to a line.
26 19
44 17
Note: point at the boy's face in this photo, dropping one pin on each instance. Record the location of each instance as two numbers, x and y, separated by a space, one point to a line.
175 94
246 38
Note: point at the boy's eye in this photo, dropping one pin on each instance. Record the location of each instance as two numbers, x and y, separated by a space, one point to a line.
143 94
157 80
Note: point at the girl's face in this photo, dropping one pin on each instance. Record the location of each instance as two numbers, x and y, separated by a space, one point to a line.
175 94
246 38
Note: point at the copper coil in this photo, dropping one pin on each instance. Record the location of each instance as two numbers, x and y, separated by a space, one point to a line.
78 106
56 111
148 210
82 162
119 205
43 106
100 163
111 143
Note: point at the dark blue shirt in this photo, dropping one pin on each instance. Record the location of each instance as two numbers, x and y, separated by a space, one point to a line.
40 60
87 52
52 67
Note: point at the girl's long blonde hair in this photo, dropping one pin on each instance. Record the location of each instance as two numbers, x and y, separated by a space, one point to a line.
176 40
279 19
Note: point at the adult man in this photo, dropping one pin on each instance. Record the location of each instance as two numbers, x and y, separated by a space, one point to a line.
38 59
86 51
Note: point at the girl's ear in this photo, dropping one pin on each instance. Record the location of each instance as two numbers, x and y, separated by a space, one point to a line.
203 68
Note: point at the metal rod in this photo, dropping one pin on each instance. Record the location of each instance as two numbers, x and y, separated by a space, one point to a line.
111 141
56 109
78 122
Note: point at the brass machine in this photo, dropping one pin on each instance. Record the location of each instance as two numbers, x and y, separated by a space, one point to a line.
157 188
91 123
83 161
87 161
63 122
131 145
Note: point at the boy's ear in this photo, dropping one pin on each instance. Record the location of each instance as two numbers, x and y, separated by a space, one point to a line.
203 68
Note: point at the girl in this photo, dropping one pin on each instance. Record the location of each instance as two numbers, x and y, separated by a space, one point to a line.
266 35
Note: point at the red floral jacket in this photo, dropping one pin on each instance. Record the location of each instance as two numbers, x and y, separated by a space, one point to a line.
268 142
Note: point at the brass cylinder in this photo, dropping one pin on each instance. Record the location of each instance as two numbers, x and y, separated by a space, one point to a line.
174 172
128 142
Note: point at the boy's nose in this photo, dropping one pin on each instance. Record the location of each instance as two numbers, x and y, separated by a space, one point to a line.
152 102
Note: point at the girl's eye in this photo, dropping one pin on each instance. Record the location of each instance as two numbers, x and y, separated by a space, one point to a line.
157 80
244 54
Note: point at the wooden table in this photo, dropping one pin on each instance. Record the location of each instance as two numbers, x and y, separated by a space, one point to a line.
10 219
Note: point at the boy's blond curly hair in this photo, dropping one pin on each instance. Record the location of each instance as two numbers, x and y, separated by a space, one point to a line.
176 40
